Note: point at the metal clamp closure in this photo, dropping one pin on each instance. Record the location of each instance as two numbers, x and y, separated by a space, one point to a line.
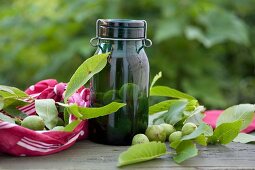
95 41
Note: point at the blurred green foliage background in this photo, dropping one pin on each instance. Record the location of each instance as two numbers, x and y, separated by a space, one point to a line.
204 48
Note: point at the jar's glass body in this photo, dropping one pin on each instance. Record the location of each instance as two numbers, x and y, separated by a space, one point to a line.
124 79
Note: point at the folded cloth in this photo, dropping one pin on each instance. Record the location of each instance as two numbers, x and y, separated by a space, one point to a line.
19 141
211 117
51 89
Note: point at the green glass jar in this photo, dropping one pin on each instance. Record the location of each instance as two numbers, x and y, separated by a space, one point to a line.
124 79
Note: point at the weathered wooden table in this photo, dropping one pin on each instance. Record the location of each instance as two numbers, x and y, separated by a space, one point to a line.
87 155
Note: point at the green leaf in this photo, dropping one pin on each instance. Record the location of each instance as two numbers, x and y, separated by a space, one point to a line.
175 144
219 26
169 28
71 109
11 98
169 92
174 114
71 126
244 112
201 140
85 71
202 129
161 106
244 138
66 116
226 132
14 112
185 150
13 102
1 102
142 152
6 118
155 79
158 119
88 112
196 116
74 110
7 91
47 110
192 105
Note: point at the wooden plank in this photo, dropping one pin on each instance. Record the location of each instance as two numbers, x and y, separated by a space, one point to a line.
88 155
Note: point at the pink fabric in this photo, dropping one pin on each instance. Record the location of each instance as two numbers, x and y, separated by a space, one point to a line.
51 89
211 117
81 98
47 89
20 141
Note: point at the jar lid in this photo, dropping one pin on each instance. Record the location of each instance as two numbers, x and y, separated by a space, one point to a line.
122 23
121 28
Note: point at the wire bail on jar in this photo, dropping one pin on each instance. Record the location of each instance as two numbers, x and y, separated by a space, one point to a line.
96 40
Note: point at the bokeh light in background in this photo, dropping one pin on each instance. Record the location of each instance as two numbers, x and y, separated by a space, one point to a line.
204 48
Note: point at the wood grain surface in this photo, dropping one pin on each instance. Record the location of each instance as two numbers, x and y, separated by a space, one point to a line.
88 155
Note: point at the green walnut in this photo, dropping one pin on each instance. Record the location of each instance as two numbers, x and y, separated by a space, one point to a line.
129 91
33 122
188 128
109 96
139 138
58 128
169 129
143 104
60 122
97 97
156 133
175 136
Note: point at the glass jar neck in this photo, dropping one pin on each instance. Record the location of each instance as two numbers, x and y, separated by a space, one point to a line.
122 45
